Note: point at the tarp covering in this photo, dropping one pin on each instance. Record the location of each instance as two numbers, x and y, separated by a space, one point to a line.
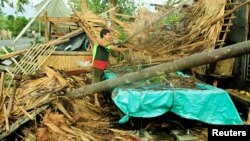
206 103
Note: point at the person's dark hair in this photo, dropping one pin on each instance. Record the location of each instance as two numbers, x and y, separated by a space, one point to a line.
104 32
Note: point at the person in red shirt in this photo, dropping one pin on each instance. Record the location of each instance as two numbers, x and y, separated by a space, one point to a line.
101 52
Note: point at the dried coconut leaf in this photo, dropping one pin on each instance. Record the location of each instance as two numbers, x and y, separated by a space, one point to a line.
42 134
81 106
63 110
53 74
85 134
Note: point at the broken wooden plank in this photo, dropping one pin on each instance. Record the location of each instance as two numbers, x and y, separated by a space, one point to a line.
75 53
71 34
7 126
59 19
12 97
12 54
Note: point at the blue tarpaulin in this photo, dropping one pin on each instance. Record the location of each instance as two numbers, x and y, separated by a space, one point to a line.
205 103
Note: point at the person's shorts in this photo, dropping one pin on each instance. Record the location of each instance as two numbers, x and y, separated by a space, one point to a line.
97 75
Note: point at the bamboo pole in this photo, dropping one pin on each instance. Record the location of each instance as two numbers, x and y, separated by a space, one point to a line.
12 54
84 6
165 68
7 125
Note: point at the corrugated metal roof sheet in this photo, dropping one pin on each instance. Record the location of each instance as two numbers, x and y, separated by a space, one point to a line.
56 8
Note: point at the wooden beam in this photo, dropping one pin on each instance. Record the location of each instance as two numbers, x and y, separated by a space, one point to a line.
72 53
57 42
1 87
84 6
46 31
9 55
71 34
59 19
12 98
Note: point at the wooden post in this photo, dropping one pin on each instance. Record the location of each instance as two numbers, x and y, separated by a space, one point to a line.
1 87
50 30
215 83
46 32
84 6
12 99
246 21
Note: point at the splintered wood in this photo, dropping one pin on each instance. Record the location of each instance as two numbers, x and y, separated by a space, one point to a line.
153 38
62 118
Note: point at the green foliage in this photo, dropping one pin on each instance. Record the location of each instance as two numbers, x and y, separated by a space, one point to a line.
76 4
127 6
122 34
18 25
15 25
36 25
9 2
172 18
19 4
10 19
97 6
2 21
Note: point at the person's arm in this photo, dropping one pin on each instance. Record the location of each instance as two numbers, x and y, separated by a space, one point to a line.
115 48
103 43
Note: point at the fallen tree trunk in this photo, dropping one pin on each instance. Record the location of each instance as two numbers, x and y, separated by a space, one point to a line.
180 64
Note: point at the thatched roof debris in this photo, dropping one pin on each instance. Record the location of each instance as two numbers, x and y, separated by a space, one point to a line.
181 32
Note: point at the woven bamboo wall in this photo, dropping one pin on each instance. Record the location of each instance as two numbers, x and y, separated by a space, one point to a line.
65 62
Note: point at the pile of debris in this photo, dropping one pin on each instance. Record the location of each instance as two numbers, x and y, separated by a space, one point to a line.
61 118
44 96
